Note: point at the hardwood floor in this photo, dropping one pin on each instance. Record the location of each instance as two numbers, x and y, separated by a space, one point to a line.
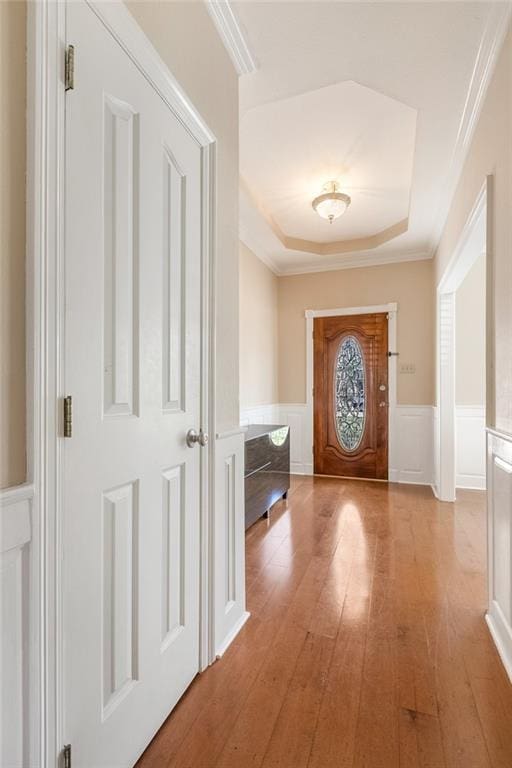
367 645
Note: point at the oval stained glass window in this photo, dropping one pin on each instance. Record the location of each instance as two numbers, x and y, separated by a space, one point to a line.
349 394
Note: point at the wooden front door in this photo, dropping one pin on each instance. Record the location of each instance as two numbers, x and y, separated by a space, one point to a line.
351 396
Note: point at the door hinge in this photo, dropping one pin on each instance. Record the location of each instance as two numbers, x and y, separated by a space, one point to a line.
69 68
68 416
66 756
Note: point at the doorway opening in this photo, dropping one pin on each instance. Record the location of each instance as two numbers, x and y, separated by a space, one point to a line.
462 359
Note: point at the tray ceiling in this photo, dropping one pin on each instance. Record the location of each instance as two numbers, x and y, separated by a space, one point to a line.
346 132
381 97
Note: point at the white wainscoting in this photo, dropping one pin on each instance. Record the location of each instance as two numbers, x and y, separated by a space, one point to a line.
17 644
259 414
229 539
301 438
470 440
411 456
499 509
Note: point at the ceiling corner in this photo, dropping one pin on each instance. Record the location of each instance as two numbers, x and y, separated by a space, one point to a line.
232 36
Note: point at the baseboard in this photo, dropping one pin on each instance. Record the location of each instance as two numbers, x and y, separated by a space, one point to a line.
296 468
221 650
471 482
501 635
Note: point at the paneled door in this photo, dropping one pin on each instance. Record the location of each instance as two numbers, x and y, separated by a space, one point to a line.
351 396
131 516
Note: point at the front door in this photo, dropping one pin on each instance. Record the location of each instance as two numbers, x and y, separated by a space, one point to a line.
351 396
132 365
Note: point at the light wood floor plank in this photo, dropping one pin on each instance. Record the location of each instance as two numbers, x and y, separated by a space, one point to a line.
367 645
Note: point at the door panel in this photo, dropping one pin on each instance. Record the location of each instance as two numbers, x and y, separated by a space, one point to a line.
120 211
132 364
351 396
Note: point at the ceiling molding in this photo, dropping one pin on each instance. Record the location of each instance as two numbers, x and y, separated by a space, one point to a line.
336 247
248 238
232 36
258 235
358 260
488 53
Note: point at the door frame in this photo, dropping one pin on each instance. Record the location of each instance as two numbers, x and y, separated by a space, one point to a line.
391 309
474 239
46 40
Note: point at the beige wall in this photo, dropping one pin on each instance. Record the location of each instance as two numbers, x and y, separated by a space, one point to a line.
470 337
491 153
410 284
258 331
12 243
186 39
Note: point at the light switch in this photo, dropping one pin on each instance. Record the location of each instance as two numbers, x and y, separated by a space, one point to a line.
407 368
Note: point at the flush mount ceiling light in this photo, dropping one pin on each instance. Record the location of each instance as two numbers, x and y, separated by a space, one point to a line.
331 204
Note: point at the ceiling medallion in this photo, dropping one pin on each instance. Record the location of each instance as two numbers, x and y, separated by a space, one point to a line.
332 203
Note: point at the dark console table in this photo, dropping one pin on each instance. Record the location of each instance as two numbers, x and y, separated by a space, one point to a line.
267 468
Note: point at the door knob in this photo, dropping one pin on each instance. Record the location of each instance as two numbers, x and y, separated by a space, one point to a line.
382 405
194 437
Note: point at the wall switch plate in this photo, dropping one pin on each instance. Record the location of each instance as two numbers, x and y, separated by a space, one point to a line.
407 368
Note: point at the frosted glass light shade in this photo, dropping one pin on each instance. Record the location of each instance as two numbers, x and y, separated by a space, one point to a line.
331 205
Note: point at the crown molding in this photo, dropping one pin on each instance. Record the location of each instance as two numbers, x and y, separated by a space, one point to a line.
258 235
485 63
248 238
356 261
231 34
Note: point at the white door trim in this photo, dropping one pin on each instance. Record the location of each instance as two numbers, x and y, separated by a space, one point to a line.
392 311
45 322
474 239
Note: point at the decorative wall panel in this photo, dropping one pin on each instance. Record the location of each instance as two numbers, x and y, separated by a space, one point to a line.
229 507
499 505
17 606
229 540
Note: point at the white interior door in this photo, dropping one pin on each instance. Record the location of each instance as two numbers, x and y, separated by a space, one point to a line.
132 365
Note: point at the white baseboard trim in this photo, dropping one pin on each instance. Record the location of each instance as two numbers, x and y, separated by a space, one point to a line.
471 482
221 650
501 635
296 468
